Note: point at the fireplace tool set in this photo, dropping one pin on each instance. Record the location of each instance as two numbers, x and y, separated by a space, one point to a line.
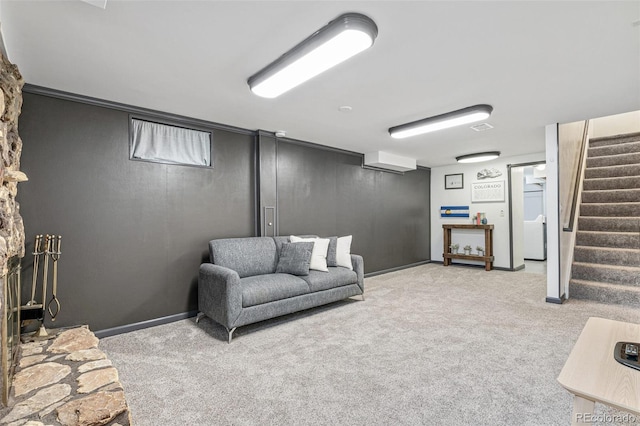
46 249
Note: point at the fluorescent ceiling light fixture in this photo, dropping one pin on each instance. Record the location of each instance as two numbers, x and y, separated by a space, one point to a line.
334 43
443 121
479 157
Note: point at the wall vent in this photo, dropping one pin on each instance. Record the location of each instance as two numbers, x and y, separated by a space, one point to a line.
482 127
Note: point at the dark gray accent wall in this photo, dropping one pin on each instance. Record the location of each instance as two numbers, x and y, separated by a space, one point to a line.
326 192
133 233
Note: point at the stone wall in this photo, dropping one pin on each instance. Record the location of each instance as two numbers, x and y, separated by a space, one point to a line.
11 226
66 381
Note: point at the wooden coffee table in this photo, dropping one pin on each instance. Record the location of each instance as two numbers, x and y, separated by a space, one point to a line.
592 374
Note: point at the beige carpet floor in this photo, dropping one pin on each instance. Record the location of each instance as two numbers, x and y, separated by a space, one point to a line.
431 345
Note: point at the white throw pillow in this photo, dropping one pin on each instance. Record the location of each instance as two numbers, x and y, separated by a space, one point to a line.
343 252
319 253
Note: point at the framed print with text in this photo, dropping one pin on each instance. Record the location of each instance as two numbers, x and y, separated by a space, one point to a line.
454 181
487 192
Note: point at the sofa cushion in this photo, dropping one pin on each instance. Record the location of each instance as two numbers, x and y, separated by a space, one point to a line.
319 254
337 277
295 258
339 252
343 252
260 289
279 242
331 252
247 256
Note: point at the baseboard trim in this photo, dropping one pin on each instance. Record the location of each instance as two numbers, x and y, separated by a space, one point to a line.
473 265
144 324
556 300
499 268
398 268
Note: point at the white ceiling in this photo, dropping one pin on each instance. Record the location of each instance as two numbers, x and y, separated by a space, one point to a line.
535 62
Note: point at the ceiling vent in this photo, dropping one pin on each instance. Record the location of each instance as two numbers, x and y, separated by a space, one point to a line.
102 4
482 127
384 160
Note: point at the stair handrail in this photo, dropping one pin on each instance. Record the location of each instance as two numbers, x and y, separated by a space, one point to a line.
576 184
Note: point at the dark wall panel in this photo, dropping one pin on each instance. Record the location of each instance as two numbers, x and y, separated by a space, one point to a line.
134 233
267 155
326 193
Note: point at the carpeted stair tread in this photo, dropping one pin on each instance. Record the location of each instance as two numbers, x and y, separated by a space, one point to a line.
607 255
626 182
604 292
611 195
609 224
610 209
630 240
624 275
614 160
619 148
613 140
612 171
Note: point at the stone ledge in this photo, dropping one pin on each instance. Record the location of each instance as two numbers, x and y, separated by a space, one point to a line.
65 380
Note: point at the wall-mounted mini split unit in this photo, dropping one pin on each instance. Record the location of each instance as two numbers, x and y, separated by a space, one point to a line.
384 160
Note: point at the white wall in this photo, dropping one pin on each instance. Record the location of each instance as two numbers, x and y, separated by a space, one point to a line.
497 212
553 214
517 204
3 48
615 124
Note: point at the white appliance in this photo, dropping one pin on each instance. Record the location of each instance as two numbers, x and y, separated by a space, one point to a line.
535 239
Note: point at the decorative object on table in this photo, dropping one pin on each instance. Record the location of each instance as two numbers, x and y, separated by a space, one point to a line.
45 248
454 248
454 211
627 354
467 249
480 218
487 192
480 250
454 181
489 173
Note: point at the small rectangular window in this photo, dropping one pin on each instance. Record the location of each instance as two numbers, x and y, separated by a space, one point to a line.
167 144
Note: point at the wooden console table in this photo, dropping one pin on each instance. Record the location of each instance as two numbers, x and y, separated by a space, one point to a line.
592 374
488 245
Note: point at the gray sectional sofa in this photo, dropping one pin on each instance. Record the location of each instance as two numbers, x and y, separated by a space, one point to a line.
240 286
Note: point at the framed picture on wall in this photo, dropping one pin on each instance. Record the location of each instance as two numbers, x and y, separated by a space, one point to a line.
487 192
455 181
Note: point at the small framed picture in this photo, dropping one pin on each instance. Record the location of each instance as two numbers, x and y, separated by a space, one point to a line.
454 181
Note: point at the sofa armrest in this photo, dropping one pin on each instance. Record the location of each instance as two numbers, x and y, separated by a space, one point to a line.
358 267
219 294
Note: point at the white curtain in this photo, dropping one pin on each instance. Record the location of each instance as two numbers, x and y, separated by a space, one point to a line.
170 144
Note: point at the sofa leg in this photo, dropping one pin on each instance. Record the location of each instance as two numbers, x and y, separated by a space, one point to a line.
199 317
231 333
